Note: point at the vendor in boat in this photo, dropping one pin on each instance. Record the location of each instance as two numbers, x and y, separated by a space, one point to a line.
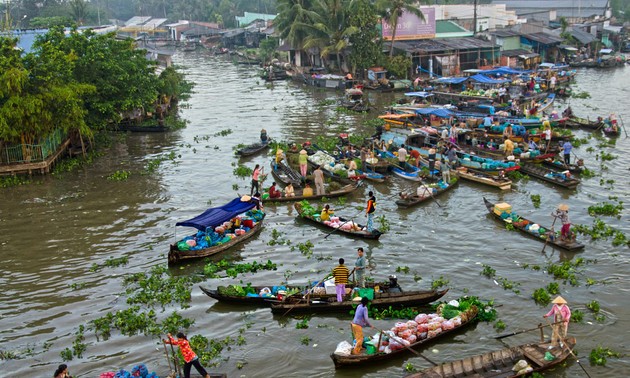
352 168
432 157
190 358
369 211
258 171
289 191
62 372
280 156
274 192
532 145
402 156
307 191
566 151
360 320
318 177
562 315
303 161
562 213
445 168
257 200
325 214
341 274
363 155
507 130
415 157
263 136
359 268
509 146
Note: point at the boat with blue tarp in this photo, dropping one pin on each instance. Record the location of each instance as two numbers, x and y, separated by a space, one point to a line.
218 229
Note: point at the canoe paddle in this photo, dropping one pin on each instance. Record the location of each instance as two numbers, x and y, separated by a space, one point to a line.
523 331
168 358
549 236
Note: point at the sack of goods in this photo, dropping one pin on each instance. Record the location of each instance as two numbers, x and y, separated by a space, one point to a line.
502 207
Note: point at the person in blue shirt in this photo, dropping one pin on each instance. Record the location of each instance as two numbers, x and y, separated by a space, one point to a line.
487 121
566 150
360 320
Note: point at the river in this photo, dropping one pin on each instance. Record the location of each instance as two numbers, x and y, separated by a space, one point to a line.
54 230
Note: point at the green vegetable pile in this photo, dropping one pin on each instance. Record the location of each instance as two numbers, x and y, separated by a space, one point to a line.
236 290
486 312
307 209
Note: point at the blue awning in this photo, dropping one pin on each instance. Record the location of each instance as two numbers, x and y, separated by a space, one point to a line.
504 71
438 112
215 216
451 80
487 80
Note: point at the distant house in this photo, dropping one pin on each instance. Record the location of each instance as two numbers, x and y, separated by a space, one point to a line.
542 43
573 11
249 17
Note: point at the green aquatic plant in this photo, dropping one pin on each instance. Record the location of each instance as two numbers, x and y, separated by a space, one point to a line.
402 269
223 133
553 288
599 356
383 223
305 340
593 306
499 325
119 175
577 316
587 173
541 296
488 271
243 171
438 283
10 181
606 208
302 324
535 200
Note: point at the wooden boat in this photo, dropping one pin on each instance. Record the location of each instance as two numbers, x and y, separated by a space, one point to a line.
584 123
210 219
371 175
416 200
377 165
382 299
362 359
611 132
410 172
502 183
562 166
550 175
285 174
499 364
253 149
335 193
359 231
267 301
355 101
522 226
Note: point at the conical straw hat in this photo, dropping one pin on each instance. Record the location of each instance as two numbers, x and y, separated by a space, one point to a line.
559 300
563 207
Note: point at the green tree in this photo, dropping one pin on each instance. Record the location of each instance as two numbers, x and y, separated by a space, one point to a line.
79 11
331 31
293 20
392 10
366 42
398 65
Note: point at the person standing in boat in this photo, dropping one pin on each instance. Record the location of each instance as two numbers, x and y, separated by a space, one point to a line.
562 315
432 156
415 157
402 156
566 151
359 268
280 156
363 155
190 358
445 167
263 136
303 161
360 320
547 132
341 274
318 177
255 179
562 212
369 211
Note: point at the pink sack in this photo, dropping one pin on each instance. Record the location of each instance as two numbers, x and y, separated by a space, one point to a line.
412 324
191 242
421 318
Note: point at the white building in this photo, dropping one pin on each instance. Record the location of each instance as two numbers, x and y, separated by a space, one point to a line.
489 16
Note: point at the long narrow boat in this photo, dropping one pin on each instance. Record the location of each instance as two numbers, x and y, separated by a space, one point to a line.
335 193
208 220
584 123
377 165
502 183
357 230
410 172
382 299
361 359
427 196
285 174
253 149
561 165
550 175
524 226
500 363
371 175
223 295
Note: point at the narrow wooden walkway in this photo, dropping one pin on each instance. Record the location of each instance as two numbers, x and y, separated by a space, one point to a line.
37 167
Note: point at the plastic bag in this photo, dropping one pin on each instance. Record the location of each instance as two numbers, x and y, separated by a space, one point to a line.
520 365
343 349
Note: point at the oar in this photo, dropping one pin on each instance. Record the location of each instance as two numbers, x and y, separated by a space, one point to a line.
623 126
411 349
168 358
308 292
565 345
523 331
549 236
431 194
175 361
336 228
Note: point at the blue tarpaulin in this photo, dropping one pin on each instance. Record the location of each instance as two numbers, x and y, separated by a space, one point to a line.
487 80
504 71
452 80
418 94
438 112
215 216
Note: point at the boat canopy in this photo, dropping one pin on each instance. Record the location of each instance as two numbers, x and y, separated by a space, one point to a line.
419 94
438 112
504 71
396 116
452 80
487 80
215 216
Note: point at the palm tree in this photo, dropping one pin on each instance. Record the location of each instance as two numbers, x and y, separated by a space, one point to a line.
392 10
331 29
294 16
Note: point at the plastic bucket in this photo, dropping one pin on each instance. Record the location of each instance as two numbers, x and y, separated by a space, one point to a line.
370 348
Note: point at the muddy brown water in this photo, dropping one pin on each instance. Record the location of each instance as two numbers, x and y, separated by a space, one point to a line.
53 231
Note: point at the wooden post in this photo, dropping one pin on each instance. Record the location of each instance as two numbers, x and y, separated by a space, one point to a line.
542 333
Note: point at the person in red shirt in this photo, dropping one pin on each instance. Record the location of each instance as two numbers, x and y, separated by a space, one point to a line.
190 357
415 155
274 192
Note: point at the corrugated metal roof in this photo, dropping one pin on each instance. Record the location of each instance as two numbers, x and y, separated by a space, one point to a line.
582 36
543 38
429 45
505 33
137 20
446 26
515 52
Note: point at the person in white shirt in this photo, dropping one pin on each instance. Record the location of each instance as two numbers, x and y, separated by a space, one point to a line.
402 156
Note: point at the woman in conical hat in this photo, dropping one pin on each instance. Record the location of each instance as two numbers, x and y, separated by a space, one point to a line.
563 213
562 315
